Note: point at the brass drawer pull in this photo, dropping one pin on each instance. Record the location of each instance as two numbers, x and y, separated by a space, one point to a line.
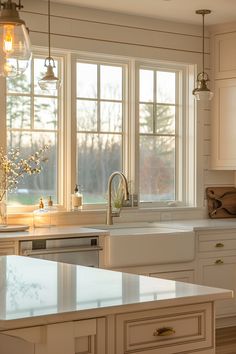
164 331
219 261
219 245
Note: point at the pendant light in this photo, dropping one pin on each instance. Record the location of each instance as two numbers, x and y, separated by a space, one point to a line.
15 48
202 92
49 81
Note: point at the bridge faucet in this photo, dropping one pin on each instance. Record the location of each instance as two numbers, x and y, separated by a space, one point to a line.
110 214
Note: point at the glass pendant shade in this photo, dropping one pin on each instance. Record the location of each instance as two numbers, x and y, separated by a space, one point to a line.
15 47
49 81
202 92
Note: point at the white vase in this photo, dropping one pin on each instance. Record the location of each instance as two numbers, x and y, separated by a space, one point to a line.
3 213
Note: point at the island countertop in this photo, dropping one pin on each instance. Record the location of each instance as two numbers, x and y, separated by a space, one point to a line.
36 292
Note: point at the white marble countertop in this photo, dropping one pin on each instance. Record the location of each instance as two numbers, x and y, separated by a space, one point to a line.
54 231
94 230
200 224
35 292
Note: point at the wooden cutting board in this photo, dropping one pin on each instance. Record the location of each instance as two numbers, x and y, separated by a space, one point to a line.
221 202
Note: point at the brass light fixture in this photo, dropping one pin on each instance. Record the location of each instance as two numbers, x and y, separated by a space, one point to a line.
202 92
15 48
49 81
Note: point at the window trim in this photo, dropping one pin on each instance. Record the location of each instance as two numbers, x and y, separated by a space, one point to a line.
131 127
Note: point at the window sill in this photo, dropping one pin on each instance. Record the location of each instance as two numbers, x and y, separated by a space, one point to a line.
125 210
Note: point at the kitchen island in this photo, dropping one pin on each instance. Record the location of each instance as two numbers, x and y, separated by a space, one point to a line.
59 308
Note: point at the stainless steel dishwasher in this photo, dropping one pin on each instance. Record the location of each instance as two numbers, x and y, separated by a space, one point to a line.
73 250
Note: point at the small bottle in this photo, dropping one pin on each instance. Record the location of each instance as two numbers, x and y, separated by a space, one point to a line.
77 199
41 215
52 211
41 203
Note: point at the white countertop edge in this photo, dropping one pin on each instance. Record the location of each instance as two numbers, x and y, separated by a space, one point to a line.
83 314
55 231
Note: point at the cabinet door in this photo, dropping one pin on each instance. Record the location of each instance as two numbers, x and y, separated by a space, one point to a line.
224 55
223 146
7 248
12 345
186 276
220 273
74 337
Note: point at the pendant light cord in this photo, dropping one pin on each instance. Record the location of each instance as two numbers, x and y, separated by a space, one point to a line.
203 42
49 30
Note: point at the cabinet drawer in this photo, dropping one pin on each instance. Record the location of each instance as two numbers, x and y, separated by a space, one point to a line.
217 245
169 331
7 248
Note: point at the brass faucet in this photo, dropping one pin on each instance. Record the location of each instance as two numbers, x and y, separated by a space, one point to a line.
110 214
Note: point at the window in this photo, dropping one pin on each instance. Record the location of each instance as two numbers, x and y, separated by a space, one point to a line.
125 115
33 120
99 117
158 130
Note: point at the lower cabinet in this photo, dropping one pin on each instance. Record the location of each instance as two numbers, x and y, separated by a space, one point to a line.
74 337
169 330
174 330
14 345
8 248
220 272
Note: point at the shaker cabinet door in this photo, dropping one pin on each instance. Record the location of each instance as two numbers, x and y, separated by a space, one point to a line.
220 272
223 147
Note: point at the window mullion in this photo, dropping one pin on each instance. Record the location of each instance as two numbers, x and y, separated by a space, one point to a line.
98 98
32 94
154 100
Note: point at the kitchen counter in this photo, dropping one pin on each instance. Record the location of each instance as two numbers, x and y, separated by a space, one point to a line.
201 224
54 231
35 292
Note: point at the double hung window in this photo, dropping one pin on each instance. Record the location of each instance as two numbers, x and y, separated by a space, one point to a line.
33 120
99 120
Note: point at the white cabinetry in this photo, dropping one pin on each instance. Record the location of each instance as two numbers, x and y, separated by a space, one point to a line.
74 337
166 331
217 265
223 146
224 125
8 248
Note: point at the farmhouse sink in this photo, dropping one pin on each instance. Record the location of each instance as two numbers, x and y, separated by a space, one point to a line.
149 244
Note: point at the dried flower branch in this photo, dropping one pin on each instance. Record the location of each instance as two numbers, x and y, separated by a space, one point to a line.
13 168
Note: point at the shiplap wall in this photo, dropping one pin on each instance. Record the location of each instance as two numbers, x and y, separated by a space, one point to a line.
89 30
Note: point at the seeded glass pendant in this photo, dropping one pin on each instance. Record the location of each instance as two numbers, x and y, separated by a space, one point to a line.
49 82
202 92
15 47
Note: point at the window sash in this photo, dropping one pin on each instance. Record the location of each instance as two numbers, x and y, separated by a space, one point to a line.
60 190
99 61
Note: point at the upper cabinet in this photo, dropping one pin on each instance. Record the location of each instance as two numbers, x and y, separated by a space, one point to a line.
223 112
224 56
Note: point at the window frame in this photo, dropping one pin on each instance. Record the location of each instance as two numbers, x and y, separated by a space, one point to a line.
101 60
185 190
67 157
62 58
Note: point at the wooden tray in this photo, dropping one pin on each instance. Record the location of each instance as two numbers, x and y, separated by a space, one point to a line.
221 202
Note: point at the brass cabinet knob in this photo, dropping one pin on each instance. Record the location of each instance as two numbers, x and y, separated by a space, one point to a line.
219 261
164 331
219 245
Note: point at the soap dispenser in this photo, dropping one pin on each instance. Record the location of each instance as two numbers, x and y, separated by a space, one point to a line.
77 198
